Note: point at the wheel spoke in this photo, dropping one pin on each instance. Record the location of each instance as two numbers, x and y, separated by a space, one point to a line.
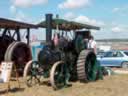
29 81
58 75
33 73
37 78
30 78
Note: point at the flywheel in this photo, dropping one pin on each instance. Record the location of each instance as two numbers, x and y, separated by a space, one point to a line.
19 53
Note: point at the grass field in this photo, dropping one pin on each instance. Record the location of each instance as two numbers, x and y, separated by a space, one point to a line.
116 85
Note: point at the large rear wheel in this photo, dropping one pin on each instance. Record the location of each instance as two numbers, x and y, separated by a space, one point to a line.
87 67
20 54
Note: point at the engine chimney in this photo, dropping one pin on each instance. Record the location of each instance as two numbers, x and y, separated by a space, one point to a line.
48 27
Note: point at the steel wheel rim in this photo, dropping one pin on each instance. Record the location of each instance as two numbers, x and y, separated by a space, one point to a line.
90 67
31 73
8 49
19 53
58 75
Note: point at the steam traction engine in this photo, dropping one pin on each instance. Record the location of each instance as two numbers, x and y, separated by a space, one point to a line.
11 46
65 61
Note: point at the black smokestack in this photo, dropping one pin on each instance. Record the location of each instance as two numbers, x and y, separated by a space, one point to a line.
48 27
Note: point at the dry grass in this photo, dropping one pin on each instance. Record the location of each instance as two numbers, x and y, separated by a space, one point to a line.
111 86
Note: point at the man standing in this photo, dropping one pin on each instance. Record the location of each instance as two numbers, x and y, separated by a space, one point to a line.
92 44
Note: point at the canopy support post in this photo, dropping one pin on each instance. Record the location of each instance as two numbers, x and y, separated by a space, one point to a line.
28 36
18 34
4 32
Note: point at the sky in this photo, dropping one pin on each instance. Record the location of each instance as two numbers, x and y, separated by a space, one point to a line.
110 15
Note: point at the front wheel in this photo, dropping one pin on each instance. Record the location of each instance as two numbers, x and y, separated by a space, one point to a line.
59 75
31 73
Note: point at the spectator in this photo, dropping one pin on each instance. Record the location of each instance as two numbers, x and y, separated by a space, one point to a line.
56 39
86 43
92 44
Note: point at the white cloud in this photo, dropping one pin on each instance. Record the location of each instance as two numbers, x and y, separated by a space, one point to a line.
117 29
83 19
24 17
116 9
71 4
94 31
13 9
86 20
69 16
121 10
27 3
20 16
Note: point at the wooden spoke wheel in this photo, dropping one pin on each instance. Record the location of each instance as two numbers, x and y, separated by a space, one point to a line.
5 41
58 75
86 65
19 53
32 73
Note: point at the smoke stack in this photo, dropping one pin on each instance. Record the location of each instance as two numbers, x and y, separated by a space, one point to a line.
48 27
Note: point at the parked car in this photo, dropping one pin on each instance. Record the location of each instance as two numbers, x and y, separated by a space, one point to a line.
100 53
115 58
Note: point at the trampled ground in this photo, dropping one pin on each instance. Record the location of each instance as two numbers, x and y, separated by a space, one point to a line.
116 85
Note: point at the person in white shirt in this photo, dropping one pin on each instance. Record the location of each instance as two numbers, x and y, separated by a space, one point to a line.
92 44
